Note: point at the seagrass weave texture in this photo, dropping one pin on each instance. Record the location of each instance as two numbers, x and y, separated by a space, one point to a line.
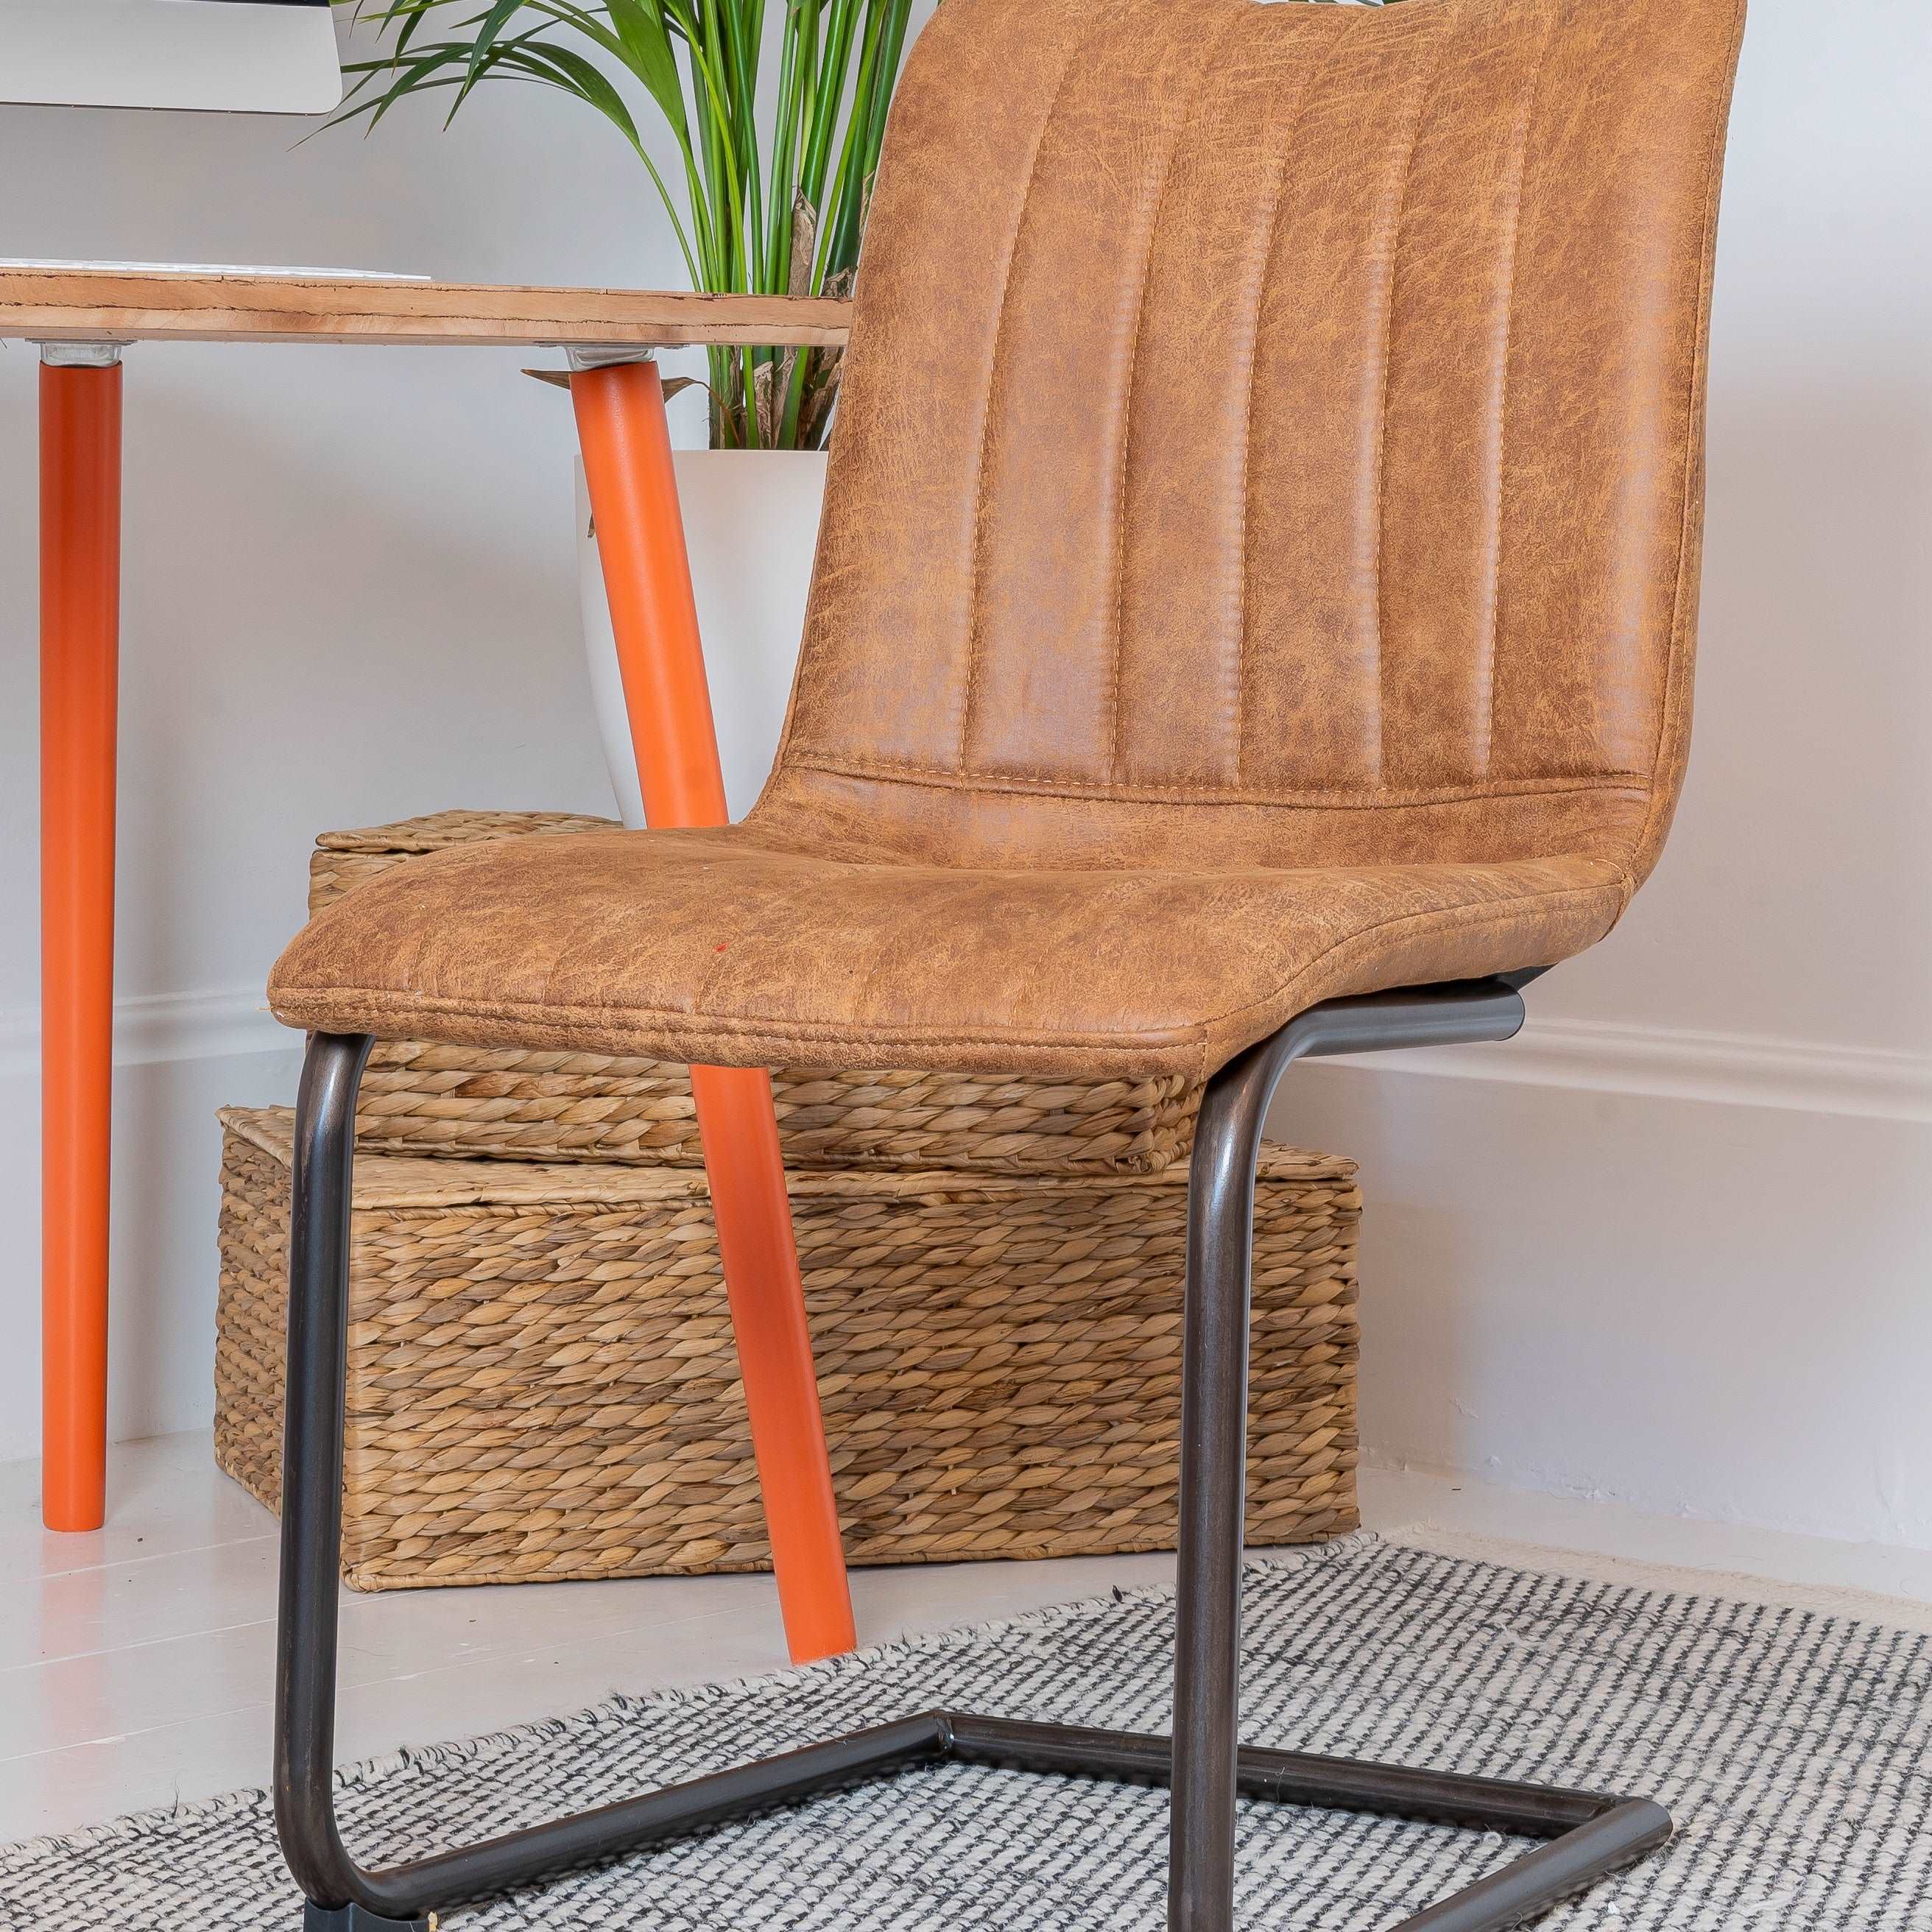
466 1101
542 1383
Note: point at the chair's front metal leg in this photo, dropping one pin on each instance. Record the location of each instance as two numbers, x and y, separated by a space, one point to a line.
1214 1403
1214 1460
312 1442
343 1896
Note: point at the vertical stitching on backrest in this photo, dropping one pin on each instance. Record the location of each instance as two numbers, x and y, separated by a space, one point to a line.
1425 89
1272 222
1526 120
1183 121
992 386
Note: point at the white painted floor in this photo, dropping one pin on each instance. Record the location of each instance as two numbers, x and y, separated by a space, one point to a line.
135 1663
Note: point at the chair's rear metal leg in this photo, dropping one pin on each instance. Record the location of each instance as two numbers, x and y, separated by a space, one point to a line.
305 1650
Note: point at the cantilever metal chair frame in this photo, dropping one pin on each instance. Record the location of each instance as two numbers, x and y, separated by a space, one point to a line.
1589 1834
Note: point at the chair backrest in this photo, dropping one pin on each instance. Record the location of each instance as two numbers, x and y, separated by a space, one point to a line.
1272 434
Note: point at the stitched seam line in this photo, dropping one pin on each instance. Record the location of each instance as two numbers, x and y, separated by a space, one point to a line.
1183 120
1292 141
1423 93
1525 119
992 387
1378 798
597 1019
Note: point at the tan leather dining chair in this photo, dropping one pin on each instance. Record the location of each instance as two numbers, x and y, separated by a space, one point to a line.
1253 618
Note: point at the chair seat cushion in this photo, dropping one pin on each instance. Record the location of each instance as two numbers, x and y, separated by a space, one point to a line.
723 948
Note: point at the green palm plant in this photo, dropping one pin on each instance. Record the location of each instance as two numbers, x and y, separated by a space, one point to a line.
775 192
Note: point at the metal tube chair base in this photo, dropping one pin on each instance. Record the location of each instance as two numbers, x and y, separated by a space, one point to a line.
1588 1835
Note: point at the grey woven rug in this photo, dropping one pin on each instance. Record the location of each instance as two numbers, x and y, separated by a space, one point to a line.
1795 1748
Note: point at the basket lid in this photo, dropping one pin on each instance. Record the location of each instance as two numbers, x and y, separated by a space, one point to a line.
432 832
392 1181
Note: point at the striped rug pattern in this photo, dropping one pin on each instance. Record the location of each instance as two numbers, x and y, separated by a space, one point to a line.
1795 1748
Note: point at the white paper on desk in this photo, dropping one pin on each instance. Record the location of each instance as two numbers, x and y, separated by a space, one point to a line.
219 268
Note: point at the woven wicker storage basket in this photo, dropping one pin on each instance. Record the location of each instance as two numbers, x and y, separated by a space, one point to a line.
457 1100
542 1383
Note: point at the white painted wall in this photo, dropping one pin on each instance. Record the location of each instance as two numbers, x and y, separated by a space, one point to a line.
1674 1246
1693 1270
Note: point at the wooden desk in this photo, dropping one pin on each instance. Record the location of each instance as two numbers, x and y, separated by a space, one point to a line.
82 319
115 306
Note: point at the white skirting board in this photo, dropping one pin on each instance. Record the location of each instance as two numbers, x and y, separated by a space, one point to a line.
1677 1063
1690 1306
1684 1271
1592 1056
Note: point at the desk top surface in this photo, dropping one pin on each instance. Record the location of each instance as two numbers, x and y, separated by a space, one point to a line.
62 305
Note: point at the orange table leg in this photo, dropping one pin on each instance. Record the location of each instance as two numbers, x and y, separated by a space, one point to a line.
80 612
627 461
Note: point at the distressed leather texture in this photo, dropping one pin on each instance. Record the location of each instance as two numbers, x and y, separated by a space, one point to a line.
1259 562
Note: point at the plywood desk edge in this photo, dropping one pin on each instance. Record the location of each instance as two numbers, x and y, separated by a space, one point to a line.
107 305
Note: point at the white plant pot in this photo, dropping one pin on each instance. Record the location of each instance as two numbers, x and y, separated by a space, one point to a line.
751 524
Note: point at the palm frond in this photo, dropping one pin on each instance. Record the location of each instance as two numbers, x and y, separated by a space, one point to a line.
776 183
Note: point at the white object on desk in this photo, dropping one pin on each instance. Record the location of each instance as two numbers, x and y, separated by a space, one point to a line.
241 56
209 268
